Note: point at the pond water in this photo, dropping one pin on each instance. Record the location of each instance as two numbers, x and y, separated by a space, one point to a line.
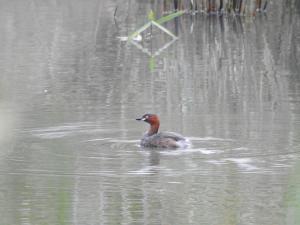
70 91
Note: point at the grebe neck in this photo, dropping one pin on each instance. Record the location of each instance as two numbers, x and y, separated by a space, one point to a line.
153 128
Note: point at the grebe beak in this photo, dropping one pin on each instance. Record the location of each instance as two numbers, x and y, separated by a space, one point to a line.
143 119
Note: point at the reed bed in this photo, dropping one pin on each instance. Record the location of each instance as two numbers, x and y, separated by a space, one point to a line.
231 7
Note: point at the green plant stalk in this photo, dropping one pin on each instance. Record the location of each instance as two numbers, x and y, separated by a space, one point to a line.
157 23
151 64
169 17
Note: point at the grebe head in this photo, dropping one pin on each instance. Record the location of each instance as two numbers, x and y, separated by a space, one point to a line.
149 118
153 120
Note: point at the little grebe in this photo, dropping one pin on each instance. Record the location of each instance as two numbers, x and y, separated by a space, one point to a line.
162 139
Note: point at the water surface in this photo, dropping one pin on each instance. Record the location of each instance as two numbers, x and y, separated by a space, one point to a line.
71 90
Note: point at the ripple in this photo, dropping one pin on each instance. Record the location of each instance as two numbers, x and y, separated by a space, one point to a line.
52 173
123 141
65 130
208 139
240 149
243 163
144 171
97 139
191 150
147 170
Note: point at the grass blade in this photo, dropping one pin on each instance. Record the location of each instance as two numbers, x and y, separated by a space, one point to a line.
169 17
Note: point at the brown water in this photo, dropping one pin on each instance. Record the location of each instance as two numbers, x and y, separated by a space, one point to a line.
70 91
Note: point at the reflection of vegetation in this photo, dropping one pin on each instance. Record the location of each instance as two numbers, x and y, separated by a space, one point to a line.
153 22
64 205
151 63
152 54
217 6
292 197
156 23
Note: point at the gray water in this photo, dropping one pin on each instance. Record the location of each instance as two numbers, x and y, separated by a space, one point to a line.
70 91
